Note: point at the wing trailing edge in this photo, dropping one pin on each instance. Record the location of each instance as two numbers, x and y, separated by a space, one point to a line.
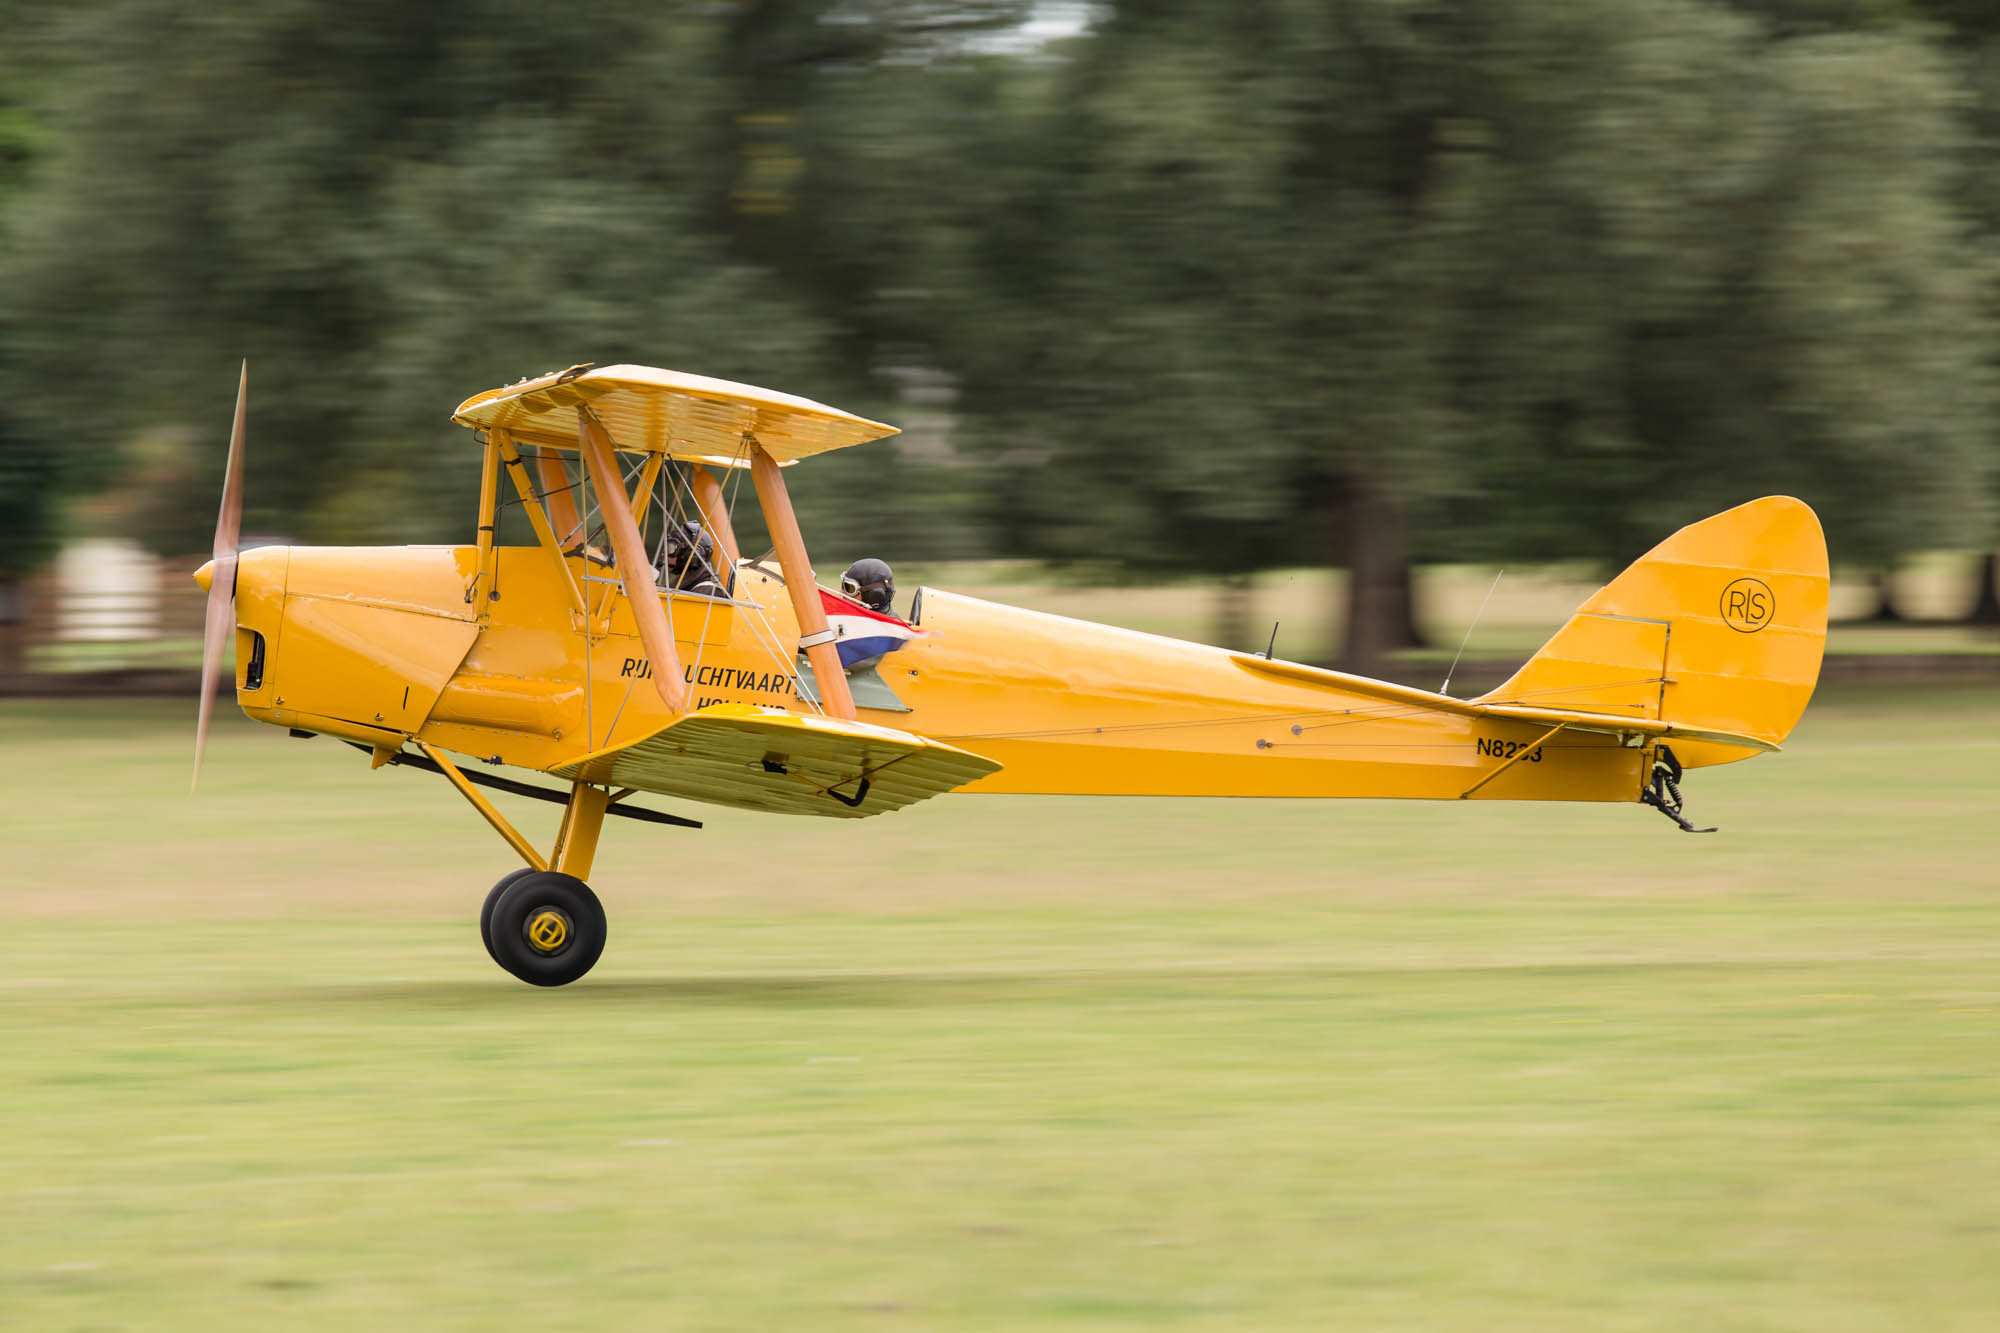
758 758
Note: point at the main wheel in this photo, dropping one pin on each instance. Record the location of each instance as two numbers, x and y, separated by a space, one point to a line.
547 928
486 911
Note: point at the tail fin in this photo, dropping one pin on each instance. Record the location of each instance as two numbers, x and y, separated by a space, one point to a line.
1720 627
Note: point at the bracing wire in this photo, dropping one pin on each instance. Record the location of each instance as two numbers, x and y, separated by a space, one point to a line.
1446 687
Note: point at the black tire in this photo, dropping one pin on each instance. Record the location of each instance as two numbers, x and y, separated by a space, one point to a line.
547 928
486 910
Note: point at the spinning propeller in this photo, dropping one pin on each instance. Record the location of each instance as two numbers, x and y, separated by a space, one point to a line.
222 577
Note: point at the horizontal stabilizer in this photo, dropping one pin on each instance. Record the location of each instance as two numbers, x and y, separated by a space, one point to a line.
1580 720
759 758
1576 719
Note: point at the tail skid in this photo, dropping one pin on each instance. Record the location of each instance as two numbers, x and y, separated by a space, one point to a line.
1663 792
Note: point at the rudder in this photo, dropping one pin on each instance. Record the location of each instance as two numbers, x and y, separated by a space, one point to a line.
1720 627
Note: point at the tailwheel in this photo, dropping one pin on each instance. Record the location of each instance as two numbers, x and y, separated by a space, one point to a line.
545 927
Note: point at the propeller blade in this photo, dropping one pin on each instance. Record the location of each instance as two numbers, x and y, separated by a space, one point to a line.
221 617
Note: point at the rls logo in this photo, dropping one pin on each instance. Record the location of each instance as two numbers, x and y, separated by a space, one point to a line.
1748 605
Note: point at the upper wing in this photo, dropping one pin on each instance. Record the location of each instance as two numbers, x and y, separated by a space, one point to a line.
788 763
648 410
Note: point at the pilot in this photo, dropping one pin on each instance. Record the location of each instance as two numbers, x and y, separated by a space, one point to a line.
690 561
872 583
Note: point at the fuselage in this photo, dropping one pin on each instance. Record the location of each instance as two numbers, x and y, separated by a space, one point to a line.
386 644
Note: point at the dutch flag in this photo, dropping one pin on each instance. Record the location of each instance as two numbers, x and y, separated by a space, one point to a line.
863 636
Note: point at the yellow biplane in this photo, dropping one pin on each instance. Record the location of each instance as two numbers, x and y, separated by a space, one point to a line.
571 658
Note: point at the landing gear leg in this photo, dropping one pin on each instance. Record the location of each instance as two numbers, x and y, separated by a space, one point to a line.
542 923
546 926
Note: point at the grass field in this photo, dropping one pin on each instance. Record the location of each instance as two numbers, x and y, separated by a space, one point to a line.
1001 1063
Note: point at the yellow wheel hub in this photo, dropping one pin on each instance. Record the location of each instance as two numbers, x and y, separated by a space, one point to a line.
547 930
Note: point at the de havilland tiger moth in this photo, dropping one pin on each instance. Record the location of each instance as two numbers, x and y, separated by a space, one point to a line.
633 649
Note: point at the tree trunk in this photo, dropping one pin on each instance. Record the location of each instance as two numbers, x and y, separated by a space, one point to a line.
1409 634
1377 600
13 626
1986 606
1886 611
1232 613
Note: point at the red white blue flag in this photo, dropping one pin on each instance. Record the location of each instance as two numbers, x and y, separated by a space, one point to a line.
863 636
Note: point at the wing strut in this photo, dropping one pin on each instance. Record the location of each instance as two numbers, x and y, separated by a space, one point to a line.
814 635
642 590
715 513
489 508
561 500
642 494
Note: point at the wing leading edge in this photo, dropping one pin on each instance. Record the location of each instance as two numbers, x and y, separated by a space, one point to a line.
645 409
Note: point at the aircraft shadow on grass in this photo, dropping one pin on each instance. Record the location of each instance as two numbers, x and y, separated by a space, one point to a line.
871 990
786 990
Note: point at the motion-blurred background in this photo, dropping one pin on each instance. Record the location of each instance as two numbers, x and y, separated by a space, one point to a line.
1188 293
1198 315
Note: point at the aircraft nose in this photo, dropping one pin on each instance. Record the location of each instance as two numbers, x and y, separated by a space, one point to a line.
205 575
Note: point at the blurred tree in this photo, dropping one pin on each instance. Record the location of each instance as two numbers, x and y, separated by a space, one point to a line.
1970 31
1230 291
1785 295
844 162
30 484
1975 29
1198 290
386 208
32 472
1190 330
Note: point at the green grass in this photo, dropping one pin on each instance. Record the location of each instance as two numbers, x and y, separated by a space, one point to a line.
1006 1063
